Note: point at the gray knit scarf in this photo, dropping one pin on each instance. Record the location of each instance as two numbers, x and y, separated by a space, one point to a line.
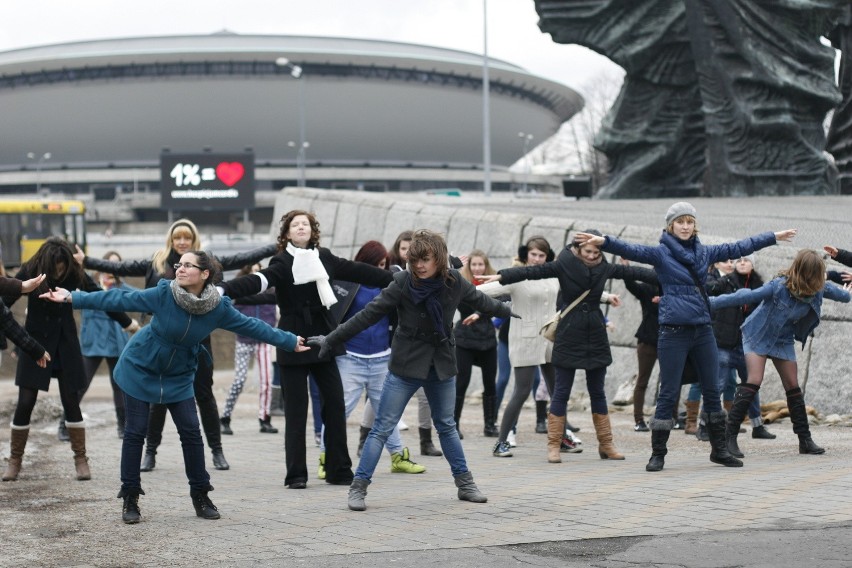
196 305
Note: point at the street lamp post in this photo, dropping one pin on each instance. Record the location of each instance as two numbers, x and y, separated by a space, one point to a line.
486 106
527 138
301 156
39 161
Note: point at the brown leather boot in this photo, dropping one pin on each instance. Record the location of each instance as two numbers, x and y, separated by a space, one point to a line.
692 407
77 433
16 455
606 449
555 429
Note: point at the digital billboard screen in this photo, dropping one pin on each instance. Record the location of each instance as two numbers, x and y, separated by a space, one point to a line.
207 181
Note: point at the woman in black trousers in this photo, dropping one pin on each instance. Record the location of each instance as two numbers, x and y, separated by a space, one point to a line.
181 238
300 273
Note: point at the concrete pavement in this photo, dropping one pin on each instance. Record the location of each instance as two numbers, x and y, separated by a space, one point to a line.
538 513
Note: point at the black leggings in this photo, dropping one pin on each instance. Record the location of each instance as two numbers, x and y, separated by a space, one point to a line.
485 360
27 399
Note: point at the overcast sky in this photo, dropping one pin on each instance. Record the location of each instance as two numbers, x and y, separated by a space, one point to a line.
513 33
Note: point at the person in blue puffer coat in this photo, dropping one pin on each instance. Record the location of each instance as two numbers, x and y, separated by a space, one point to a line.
681 262
159 363
789 311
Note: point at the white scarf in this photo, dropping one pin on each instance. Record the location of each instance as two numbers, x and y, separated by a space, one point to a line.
307 267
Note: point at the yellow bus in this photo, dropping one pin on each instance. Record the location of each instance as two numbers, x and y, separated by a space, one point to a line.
26 223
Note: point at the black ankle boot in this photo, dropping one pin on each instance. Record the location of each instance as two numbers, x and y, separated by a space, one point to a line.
149 460
427 448
660 431
225 426
130 512
541 417
266 427
799 418
204 507
716 422
742 400
219 461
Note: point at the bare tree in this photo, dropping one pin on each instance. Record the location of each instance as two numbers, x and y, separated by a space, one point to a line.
572 148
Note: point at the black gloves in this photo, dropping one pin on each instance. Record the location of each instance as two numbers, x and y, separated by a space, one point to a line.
320 342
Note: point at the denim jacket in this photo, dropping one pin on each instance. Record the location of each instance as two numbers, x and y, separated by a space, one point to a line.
780 317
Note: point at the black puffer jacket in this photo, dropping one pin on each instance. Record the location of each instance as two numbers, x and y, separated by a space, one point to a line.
581 338
727 321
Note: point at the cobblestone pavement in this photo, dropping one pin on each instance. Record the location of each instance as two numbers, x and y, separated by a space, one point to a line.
47 518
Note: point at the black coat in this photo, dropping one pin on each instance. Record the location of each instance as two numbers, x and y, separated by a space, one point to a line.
479 336
727 321
649 327
302 311
54 327
581 338
416 346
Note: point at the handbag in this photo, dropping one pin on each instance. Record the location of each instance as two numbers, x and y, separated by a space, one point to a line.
548 330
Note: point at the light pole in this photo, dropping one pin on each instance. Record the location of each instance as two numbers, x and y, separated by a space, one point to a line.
301 157
527 138
486 105
39 161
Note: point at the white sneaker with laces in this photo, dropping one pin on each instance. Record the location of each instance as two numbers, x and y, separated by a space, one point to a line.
511 439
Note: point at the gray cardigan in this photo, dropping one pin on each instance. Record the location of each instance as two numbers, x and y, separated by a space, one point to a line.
416 347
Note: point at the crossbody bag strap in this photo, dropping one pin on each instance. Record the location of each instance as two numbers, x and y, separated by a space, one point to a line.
700 288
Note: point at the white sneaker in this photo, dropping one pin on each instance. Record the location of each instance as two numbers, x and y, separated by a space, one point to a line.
402 426
511 439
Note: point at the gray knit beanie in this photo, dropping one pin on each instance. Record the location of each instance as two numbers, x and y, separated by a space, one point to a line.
678 210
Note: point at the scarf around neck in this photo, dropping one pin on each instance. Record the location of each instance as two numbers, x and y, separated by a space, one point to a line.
428 290
307 267
196 305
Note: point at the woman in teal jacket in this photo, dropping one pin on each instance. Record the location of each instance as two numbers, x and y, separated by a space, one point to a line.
159 363
789 311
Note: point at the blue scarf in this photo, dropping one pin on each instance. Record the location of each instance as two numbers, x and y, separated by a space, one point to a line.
428 290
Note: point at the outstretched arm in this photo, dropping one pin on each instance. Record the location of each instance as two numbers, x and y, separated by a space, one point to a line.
242 324
640 253
748 245
740 297
837 293
840 255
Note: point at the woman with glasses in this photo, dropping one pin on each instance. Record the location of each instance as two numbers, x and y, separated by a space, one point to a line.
159 364
181 237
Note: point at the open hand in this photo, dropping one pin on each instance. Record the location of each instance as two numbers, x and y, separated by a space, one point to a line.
832 251
79 256
786 235
133 327
28 286
486 278
58 295
615 300
300 345
320 342
589 239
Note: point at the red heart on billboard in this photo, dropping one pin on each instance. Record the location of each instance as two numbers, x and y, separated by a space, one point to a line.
230 172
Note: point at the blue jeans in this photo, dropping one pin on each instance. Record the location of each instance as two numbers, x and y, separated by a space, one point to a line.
731 360
674 344
185 418
396 393
360 374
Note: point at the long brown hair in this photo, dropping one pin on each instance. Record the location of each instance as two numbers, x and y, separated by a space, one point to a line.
426 243
373 253
395 257
806 276
287 219
466 272
52 254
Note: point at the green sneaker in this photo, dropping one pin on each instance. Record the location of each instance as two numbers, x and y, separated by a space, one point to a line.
401 463
321 470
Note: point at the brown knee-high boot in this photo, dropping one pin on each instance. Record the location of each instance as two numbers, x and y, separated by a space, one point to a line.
606 449
77 433
692 408
16 455
555 429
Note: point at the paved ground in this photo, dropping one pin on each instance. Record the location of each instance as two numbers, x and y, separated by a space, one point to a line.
782 509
